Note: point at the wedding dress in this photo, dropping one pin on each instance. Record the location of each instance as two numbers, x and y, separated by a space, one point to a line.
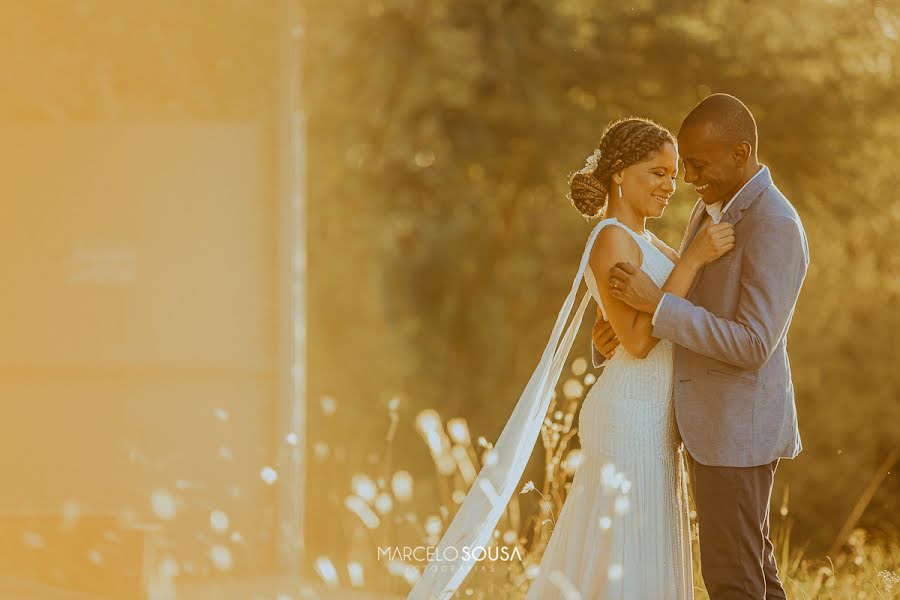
623 532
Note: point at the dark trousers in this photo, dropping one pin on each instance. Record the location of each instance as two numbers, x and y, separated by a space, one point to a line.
736 555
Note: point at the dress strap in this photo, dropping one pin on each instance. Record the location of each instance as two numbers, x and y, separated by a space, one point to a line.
589 274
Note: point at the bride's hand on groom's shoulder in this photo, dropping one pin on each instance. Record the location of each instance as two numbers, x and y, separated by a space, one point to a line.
711 243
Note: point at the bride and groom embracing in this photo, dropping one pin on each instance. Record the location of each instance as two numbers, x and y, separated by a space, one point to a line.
697 376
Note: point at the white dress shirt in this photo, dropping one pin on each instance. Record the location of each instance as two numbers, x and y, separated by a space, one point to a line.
715 213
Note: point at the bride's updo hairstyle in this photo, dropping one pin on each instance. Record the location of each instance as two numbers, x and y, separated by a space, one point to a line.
624 143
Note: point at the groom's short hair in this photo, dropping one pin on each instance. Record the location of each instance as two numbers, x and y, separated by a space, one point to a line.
727 115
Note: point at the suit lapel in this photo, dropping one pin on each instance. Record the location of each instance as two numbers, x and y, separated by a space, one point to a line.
734 213
748 196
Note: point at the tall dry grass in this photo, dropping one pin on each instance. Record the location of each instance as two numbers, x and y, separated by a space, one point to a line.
381 510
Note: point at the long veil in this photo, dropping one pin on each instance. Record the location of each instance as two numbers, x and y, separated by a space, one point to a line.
472 526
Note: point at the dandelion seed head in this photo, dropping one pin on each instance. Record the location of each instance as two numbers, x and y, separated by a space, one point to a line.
355 572
221 557
320 450
410 574
329 405
358 506
604 523
607 475
573 388
395 567
218 520
424 158
458 430
433 525
428 421
225 453
573 460
268 474
33 539
384 503
163 504
363 486
168 568
621 505
71 512
402 486
291 438
579 366
435 442
446 465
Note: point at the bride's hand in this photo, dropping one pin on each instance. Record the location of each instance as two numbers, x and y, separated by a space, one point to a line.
710 244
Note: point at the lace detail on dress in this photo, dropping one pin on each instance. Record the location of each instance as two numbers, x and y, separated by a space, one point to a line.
626 533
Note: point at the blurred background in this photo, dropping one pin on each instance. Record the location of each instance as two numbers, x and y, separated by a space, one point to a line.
275 274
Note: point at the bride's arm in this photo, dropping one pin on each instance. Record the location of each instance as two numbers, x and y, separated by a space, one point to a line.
633 328
710 243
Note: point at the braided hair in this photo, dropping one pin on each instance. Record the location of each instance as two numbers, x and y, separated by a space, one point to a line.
624 143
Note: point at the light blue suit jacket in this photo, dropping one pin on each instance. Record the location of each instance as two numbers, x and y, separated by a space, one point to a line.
733 394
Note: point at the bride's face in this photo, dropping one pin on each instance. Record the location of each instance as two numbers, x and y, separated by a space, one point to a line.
647 186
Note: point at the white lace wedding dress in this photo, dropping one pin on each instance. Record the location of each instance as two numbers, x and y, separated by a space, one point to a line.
624 531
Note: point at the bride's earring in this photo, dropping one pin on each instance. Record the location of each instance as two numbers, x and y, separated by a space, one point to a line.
620 190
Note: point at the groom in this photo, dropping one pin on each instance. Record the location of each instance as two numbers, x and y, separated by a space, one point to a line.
734 400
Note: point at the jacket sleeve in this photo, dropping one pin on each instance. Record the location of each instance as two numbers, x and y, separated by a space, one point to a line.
774 264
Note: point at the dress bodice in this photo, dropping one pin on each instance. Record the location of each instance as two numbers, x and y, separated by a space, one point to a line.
653 262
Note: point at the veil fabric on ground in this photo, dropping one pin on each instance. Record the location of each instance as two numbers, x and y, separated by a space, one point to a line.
474 522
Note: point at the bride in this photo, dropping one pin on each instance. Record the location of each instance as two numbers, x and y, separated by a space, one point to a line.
623 531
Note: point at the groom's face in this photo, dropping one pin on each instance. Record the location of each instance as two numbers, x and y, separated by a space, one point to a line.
709 163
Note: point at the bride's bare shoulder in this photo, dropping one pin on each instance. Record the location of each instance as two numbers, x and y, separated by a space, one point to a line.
614 244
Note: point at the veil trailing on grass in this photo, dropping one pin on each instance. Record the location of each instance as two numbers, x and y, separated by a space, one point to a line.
471 529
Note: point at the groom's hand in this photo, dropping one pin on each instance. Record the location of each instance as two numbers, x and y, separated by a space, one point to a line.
604 337
634 287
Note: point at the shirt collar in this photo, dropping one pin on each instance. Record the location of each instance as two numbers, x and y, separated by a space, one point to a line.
715 211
